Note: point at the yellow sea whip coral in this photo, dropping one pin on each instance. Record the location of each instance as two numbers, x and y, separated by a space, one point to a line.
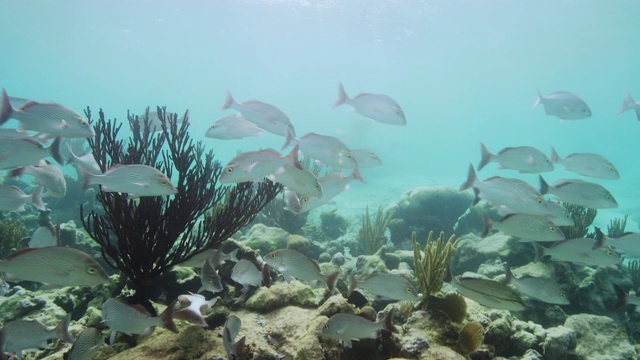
431 267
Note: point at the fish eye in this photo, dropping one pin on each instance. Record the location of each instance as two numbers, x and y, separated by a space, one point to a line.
304 199
326 326
228 169
567 215
540 200
164 181
273 256
92 270
563 295
609 252
409 290
84 123
608 197
552 228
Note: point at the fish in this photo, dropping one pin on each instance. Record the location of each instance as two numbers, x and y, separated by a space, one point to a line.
55 265
17 134
515 194
489 293
246 273
254 165
525 159
86 345
557 213
388 286
229 332
627 244
12 198
545 290
19 335
366 158
526 227
327 149
134 319
16 152
45 236
154 122
578 192
216 256
209 278
332 185
302 181
349 327
564 105
49 118
378 107
135 180
581 251
84 163
45 174
629 104
232 127
295 265
265 116
623 297
193 307
291 201
587 164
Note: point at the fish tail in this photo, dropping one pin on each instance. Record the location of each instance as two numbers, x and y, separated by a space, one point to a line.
539 250
627 103
36 199
266 275
342 96
621 296
228 101
290 138
554 156
476 197
167 317
55 150
331 280
233 256
16 172
7 109
485 156
600 239
507 272
487 225
471 178
544 186
191 316
238 346
63 330
387 322
293 156
538 100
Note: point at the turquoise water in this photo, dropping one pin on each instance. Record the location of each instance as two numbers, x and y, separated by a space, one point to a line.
463 71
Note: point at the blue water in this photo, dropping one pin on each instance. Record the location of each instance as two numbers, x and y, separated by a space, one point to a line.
463 71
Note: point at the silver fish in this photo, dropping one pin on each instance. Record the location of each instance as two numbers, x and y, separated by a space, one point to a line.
254 165
16 152
246 273
388 286
564 105
623 297
348 327
193 307
489 293
378 107
14 199
545 290
209 278
515 194
265 116
46 174
232 127
86 345
581 251
229 332
302 181
587 164
629 104
49 118
55 265
154 122
291 201
366 158
627 244
134 319
328 150
332 185
527 227
219 258
295 265
135 180
17 134
525 159
580 192
19 335
45 236
85 163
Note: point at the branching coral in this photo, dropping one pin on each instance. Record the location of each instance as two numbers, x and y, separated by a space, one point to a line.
616 227
371 234
633 268
582 219
431 266
11 234
145 237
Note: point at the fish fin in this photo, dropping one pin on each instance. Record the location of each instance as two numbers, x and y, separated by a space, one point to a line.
191 316
63 330
331 280
356 175
487 225
530 161
621 296
539 250
266 275
507 272
627 103
112 337
228 101
485 156
141 184
638 113
471 178
290 137
342 96
16 172
348 343
249 167
538 100
293 156
353 284
544 187
55 150
7 109
233 256
238 346
36 199
167 317
600 239
554 156
387 322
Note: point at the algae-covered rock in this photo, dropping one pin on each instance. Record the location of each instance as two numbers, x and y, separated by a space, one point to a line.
298 243
599 337
282 294
333 224
595 293
559 342
266 239
472 251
